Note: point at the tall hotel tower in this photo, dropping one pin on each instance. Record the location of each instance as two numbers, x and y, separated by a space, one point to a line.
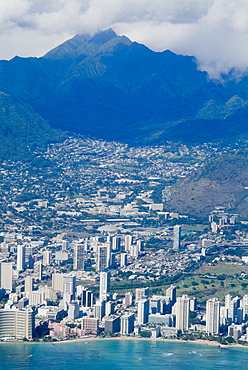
213 316
182 313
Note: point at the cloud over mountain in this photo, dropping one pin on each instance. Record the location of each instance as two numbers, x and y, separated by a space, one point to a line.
215 31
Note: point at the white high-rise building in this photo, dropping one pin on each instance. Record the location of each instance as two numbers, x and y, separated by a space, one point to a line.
4 249
213 316
49 293
58 282
154 306
177 237
73 310
69 288
140 245
134 250
123 260
64 245
104 284
102 257
166 306
109 308
245 306
116 243
86 245
143 311
232 304
109 250
94 242
78 259
128 241
235 331
36 298
6 275
99 309
171 292
214 227
127 323
141 293
47 258
223 315
29 282
17 323
38 269
20 265
182 313
193 304
228 299
128 299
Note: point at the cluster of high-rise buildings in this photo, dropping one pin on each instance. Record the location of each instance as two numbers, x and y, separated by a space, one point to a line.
31 300
232 316
165 315
21 280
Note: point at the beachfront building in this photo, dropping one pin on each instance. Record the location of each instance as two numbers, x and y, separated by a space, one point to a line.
213 316
17 323
182 313
112 324
90 325
143 311
127 323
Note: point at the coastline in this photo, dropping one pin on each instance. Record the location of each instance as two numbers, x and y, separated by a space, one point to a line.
198 341
93 339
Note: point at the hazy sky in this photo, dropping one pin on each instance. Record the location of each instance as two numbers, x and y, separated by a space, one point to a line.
215 31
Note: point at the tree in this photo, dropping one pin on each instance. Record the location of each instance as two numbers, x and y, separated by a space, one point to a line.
230 340
145 334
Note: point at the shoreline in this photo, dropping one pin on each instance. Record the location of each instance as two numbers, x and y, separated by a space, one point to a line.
197 341
93 339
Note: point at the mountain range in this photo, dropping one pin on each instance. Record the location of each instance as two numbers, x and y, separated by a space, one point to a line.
111 88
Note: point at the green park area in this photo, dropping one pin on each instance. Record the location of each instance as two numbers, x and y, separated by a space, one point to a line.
215 281
208 281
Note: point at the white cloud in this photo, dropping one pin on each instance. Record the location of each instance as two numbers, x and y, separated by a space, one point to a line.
215 31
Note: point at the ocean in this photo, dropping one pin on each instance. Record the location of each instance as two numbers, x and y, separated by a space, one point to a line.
120 355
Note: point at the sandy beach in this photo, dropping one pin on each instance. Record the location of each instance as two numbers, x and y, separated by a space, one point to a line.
91 339
198 341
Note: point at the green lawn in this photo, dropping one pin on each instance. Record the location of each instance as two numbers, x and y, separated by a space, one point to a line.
222 268
196 285
188 228
204 288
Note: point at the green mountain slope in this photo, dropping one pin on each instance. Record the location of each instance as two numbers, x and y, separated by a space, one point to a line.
22 131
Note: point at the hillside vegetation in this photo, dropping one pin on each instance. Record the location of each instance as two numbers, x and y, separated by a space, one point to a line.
220 182
22 131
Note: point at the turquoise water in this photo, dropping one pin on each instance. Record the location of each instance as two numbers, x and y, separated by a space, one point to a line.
120 355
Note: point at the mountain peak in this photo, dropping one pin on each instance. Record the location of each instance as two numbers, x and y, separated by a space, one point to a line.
87 45
102 37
